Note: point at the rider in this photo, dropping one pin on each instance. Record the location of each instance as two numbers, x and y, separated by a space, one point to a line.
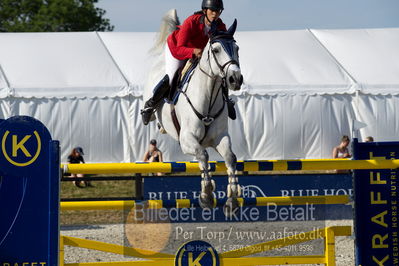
187 41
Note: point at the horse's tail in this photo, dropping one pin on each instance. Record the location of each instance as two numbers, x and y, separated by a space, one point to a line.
169 23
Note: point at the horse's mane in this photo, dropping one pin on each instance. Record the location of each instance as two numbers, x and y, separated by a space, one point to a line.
222 35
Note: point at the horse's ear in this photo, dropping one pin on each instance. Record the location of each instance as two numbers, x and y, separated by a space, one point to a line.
232 28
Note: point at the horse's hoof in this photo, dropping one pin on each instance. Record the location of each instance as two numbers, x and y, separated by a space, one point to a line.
206 202
231 207
239 191
213 185
206 199
161 129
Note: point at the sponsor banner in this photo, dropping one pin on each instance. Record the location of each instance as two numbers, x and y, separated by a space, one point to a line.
188 187
29 193
376 206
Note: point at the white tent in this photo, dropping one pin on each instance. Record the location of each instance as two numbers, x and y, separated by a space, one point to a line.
302 90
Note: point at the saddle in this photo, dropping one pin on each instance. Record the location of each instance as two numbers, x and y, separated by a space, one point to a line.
181 78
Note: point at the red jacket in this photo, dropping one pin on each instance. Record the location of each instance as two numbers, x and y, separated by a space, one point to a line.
190 35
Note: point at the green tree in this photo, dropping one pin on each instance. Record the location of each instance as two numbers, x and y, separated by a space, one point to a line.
52 15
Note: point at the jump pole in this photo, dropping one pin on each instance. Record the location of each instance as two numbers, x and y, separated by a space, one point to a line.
250 166
187 203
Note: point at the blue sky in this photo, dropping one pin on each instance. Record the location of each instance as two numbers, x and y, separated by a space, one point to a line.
145 15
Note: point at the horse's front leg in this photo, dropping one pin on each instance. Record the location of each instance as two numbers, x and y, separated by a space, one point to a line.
190 145
233 188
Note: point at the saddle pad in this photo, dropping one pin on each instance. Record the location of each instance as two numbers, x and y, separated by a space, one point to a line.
186 74
187 71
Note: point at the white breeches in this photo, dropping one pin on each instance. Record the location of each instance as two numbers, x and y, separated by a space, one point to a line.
171 64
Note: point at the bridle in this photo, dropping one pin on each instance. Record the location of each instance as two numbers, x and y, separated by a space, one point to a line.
208 118
221 67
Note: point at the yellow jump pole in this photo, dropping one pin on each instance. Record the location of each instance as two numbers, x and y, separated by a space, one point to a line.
185 203
192 167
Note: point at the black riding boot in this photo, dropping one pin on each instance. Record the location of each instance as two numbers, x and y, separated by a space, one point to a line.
160 92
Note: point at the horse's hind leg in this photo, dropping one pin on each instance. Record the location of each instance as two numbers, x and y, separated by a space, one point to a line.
190 145
233 188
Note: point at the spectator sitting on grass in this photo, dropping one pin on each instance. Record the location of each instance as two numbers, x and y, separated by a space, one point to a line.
341 151
74 158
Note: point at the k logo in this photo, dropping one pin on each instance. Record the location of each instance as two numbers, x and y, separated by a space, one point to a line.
197 253
18 149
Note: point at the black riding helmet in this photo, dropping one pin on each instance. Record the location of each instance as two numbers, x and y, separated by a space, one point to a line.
213 4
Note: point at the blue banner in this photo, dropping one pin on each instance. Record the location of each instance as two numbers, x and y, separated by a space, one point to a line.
376 206
188 187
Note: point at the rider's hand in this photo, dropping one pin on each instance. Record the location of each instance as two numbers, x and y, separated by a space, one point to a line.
197 52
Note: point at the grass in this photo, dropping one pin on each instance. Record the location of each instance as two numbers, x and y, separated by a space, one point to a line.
125 188
101 189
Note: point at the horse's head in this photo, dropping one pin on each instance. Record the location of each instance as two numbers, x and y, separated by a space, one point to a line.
222 56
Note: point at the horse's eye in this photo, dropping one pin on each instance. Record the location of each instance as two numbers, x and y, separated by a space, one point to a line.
216 50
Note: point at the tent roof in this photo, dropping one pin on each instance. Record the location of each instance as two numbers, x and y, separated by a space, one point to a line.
3 85
371 56
130 52
110 64
58 65
289 61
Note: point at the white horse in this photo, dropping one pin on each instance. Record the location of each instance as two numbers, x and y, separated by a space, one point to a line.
201 110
